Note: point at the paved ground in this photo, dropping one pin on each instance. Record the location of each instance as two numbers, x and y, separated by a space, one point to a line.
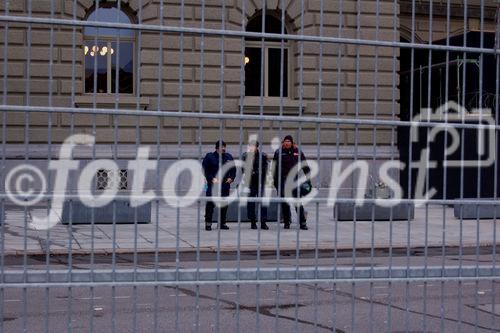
354 306
416 306
427 229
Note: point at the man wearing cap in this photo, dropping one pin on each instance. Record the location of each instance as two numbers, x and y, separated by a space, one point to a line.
255 178
211 165
285 159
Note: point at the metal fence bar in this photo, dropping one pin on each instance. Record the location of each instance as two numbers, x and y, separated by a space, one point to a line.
292 119
236 33
2 173
138 276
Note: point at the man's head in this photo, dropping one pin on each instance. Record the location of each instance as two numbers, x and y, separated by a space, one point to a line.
253 146
288 142
220 146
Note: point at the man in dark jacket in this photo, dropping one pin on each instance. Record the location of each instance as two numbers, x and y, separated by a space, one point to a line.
211 164
255 177
285 160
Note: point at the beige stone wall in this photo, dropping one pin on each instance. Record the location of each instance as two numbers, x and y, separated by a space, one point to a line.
358 80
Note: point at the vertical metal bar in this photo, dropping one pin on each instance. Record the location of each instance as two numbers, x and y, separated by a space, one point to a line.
199 139
318 154
137 143
115 119
299 143
478 207
495 181
393 116
356 135
242 94
278 172
462 153
3 167
221 126
263 92
93 185
445 173
26 159
429 90
337 158
49 157
157 175
72 127
179 142
412 66
374 159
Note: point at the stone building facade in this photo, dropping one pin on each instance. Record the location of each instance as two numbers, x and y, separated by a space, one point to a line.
55 75
192 72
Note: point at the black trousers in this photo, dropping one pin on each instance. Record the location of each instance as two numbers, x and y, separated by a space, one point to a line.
209 212
210 206
287 214
254 193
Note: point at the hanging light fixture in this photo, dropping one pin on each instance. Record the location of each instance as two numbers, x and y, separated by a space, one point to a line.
94 50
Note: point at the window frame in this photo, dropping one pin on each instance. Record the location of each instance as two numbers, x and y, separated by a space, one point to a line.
109 39
274 45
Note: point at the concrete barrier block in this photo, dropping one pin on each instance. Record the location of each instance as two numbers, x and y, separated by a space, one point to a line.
124 214
475 211
370 211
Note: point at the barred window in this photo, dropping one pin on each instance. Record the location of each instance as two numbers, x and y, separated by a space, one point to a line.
109 53
106 179
273 57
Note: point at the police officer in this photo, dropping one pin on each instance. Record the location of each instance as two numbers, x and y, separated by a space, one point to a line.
284 161
211 164
255 176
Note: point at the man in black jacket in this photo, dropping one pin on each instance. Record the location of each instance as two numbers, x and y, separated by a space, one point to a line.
285 160
211 164
255 177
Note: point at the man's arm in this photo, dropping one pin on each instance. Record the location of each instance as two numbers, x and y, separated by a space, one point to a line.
232 171
276 166
207 168
305 167
264 166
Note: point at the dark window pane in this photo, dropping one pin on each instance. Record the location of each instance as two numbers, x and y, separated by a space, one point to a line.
110 14
272 25
95 57
125 67
274 75
252 71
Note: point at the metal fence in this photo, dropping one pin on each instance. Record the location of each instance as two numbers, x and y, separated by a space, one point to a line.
110 107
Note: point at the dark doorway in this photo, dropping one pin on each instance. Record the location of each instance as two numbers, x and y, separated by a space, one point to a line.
438 78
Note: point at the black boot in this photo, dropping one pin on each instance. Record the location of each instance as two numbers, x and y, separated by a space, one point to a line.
303 226
224 226
208 227
253 225
264 226
287 225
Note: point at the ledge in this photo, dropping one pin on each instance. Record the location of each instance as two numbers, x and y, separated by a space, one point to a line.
170 151
108 101
271 105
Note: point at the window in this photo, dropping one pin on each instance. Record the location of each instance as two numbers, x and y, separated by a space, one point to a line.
106 179
273 56
108 50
